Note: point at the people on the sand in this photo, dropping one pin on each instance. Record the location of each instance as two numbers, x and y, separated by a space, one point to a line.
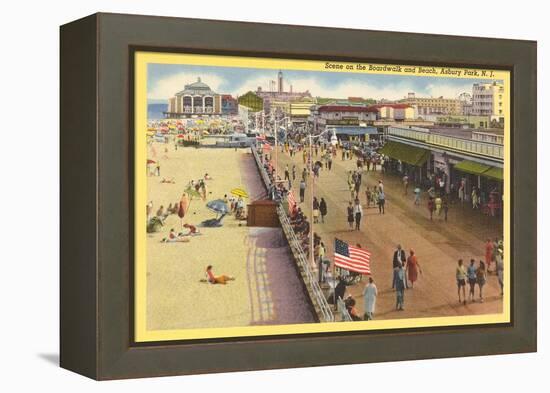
193 231
174 237
213 279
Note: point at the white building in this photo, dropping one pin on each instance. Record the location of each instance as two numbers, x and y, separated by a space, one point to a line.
488 100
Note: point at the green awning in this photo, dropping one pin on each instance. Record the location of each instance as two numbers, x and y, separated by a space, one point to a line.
406 153
475 168
495 173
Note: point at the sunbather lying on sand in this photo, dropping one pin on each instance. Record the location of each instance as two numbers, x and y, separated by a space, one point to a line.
173 237
213 279
193 231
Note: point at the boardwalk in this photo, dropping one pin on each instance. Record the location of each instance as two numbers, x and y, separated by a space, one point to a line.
437 244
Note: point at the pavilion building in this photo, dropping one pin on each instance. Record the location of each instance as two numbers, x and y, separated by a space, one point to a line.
195 99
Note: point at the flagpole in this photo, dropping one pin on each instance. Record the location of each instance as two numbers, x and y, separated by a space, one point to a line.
333 275
312 248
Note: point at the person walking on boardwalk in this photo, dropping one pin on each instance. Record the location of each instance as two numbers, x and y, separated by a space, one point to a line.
357 186
369 294
399 259
315 210
400 289
323 209
462 191
445 207
431 207
351 186
287 173
472 279
413 267
405 184
302 190
475 199
500 271
417 196
481 278
461 281
329 163
438 202
358 213
293 172
381 202
368 195
351 219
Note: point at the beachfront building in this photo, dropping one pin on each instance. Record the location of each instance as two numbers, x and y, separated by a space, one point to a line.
392 111
458 121
300 110
195 99
322 116
434 105
488 100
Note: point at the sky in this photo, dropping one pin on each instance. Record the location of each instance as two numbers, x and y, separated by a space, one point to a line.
164 80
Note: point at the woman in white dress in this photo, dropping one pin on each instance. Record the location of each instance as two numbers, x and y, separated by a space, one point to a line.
370 293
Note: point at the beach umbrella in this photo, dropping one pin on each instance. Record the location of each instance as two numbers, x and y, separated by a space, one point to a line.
149 161
180 135
218 206
239 192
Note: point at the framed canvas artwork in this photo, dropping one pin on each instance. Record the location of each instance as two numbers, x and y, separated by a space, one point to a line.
241 196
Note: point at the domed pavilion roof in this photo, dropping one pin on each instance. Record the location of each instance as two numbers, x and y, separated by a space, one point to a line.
196 88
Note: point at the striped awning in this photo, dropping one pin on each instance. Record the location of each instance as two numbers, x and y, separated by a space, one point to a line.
406 153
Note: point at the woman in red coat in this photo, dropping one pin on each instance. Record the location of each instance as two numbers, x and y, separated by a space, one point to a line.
413 268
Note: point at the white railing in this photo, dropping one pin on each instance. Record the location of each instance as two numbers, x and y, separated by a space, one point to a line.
493 150
309 275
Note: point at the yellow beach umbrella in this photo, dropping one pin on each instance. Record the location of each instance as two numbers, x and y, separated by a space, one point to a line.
239 192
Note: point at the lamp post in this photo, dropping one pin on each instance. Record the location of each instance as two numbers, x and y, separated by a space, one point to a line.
276 132
333 141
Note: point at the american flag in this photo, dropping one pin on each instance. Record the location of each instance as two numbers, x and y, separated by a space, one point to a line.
351 258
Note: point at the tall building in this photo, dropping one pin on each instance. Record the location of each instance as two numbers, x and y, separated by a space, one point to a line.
488 100
434 105
279 95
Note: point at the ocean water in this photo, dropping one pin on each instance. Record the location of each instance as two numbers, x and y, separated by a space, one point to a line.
155 111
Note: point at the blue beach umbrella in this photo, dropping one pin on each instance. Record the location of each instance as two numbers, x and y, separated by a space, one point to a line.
218 206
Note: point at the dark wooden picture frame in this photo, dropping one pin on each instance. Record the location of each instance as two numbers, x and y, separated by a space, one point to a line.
96 196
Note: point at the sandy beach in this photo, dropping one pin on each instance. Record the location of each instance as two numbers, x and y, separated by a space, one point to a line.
266 289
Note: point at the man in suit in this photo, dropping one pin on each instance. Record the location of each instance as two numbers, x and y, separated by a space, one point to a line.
399 259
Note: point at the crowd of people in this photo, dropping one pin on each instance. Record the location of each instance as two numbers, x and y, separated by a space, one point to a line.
475 274
406 267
